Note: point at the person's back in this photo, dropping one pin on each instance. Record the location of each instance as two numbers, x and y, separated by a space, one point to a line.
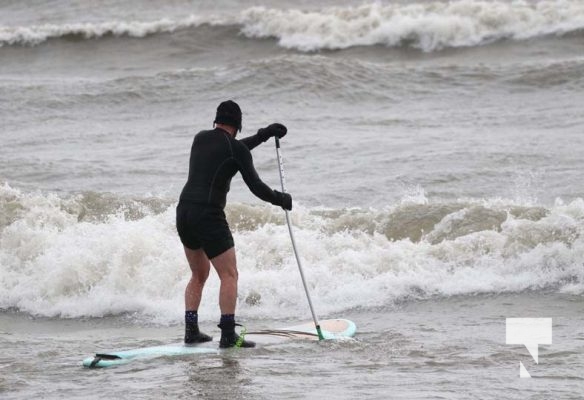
212 165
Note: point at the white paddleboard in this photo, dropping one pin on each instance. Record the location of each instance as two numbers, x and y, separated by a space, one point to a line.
332 329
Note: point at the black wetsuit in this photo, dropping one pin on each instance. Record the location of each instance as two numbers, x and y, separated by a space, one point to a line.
215 159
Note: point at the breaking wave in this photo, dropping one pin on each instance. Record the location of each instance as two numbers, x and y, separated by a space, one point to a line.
97 254
428 26
34 35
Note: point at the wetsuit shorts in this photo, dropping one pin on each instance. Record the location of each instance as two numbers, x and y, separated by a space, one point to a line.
205 227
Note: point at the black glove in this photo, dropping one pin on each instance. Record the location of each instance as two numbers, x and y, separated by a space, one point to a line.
284 200
272 130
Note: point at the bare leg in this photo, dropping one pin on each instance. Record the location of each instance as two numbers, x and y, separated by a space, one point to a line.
199 264
226 266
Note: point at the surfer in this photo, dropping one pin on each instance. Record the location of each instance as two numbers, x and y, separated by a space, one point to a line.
216 156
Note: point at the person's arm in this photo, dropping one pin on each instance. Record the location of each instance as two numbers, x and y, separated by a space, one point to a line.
251 142
255 184
263 135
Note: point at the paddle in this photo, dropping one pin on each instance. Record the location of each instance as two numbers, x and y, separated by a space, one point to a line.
282 181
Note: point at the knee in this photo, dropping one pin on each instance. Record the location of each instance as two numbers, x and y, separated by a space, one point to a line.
229 276
200 277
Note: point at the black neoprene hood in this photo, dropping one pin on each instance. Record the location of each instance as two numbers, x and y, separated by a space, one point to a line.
229 113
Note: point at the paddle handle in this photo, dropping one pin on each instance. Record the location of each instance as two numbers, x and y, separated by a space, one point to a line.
283 183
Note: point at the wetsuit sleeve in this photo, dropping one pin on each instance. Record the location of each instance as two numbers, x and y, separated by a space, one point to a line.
252 179
251 142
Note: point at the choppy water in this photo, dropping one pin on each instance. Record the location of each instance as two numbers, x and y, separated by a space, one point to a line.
434 157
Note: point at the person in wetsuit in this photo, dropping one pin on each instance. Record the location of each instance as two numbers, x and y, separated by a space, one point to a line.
216 156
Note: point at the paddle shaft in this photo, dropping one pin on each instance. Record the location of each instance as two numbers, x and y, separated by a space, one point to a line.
282 181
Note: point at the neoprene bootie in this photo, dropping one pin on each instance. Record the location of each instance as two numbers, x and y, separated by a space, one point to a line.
231 339
194 335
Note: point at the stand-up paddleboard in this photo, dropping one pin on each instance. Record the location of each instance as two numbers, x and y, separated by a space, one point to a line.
332 329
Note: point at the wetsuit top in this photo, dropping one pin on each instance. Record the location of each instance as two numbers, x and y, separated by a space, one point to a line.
215 159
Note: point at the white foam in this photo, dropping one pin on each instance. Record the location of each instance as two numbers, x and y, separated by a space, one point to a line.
428 26
51 264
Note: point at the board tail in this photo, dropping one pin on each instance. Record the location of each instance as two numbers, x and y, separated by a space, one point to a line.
100 357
